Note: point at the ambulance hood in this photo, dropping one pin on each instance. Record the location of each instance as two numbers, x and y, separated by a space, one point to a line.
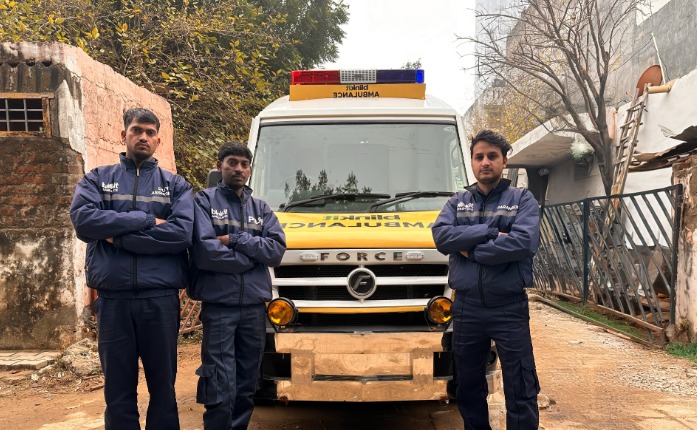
358 230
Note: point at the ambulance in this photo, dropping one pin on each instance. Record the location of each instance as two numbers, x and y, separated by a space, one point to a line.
357 164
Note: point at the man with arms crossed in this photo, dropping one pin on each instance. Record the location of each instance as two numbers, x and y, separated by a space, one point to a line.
491 232
137 220
236 239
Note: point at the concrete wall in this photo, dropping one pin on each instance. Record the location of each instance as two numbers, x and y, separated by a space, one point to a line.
686 283
569 183
673 26
43 295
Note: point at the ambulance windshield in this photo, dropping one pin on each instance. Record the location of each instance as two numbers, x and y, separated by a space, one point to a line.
294 162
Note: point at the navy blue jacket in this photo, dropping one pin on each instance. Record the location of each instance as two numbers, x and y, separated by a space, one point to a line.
498 267
236 274
122 202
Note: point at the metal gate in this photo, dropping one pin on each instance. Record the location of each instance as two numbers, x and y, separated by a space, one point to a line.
619 252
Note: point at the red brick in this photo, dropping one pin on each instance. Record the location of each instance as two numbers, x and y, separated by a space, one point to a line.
32 169
15 200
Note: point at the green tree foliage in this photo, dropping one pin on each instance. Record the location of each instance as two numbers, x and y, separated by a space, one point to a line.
312 29
216 61
314 26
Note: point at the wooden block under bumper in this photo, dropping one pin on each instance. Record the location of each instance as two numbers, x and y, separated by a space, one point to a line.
353 391
361 367
358 343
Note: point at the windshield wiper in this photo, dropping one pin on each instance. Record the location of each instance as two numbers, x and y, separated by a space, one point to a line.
409 196
337 196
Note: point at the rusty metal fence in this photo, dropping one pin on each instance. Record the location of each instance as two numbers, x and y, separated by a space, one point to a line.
619 252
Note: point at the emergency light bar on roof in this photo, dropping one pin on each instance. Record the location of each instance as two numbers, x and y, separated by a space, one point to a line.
358 83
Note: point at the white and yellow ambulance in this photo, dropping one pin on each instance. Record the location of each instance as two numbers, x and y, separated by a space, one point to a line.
357 165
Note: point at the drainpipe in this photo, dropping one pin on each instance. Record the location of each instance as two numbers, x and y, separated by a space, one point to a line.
665 88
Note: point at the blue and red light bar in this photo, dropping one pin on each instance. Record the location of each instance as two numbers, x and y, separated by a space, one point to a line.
357 76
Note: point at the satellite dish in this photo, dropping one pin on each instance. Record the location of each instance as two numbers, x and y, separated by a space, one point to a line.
651 76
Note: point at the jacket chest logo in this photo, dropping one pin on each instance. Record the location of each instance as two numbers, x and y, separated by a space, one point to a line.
219 213
507 208
465 206
110 188
161 191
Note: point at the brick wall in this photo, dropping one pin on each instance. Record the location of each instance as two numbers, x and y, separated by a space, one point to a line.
37 177
37 295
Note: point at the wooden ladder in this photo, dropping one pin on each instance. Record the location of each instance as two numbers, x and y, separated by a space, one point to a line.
624 152
628 140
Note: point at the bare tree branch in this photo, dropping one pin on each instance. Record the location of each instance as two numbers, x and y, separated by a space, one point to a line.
569 48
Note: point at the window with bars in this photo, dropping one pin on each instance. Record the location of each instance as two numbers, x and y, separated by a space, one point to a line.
24 114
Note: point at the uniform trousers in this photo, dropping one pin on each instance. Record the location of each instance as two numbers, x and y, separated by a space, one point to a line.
129 328
508 325
231 353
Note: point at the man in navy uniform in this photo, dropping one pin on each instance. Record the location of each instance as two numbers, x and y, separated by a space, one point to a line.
137 221
491 232
236 239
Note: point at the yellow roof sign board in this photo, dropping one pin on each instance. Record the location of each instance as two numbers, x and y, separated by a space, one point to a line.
405 91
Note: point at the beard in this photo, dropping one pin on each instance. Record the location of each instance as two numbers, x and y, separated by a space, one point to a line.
235 182
235 186
488 180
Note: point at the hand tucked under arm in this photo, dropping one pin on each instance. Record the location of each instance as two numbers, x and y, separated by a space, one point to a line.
92 222
167 236
268 248
520 243
451 238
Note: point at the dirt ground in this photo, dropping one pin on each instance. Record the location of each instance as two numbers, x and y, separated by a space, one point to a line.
592 379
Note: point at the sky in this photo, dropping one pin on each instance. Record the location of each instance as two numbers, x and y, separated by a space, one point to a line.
384 34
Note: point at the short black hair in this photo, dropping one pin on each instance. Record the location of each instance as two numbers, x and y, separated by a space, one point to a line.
493 138
144 116
234 148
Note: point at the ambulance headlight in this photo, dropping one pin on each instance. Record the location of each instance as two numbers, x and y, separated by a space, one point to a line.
438 310
281 312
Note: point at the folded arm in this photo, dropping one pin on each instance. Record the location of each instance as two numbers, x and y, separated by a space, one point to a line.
520 243
173 235
208 252
268 248
450 238
92 222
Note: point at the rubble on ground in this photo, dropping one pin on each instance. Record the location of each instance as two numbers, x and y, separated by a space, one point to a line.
81 358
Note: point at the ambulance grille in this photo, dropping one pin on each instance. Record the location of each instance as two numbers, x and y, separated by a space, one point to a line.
384 292
416 319
342 271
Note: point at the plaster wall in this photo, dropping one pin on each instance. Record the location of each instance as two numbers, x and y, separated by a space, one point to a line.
39 301
568 183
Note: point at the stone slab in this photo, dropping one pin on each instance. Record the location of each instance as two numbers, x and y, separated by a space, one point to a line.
11 360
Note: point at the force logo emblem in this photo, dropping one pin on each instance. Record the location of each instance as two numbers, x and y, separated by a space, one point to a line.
361 283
